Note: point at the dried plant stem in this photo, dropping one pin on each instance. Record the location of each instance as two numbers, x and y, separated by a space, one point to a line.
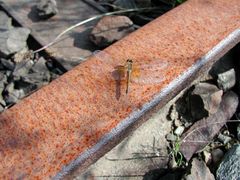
89 20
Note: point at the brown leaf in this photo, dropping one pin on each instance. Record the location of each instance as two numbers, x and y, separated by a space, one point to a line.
203 131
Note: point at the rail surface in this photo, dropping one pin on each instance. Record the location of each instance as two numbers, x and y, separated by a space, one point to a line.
67 125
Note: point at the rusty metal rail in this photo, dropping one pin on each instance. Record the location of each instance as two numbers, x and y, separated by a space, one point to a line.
67 125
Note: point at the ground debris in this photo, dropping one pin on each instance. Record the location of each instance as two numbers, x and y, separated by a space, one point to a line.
203 131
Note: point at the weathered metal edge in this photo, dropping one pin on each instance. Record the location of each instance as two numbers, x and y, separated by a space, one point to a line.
158 101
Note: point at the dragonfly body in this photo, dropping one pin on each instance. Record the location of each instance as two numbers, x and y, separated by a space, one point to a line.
129 72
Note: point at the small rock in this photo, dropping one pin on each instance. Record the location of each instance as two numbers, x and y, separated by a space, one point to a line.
173 114
14 96
38 74
224 139
229 167
238 132
207 157
224 64
7 64
110 29
10 87
227 80
17 39
21 69
40 66
38 79
171 137
179 130
177 123
199 170
217 155
205 99
47 8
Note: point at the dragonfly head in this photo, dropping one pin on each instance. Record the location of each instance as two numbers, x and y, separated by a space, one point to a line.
130 61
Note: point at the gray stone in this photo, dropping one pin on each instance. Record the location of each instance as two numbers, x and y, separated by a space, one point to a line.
39 79
229 167
13 95
3 43
110 29
38 74
47 8
5 21
40 66
7 63
13 40
224 139
17 39
199 170
227 80
21 69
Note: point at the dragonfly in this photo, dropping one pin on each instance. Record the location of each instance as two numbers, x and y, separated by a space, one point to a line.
133 72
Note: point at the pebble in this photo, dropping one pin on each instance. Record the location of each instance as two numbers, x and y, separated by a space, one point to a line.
224 139
226 80
179 130
47 8
171 137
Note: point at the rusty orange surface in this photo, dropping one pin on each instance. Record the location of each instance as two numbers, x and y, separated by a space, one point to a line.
49 129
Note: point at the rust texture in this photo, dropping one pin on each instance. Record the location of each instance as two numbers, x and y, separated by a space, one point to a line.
42 135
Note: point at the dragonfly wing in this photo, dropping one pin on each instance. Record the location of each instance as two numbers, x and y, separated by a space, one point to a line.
104 59
151 73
